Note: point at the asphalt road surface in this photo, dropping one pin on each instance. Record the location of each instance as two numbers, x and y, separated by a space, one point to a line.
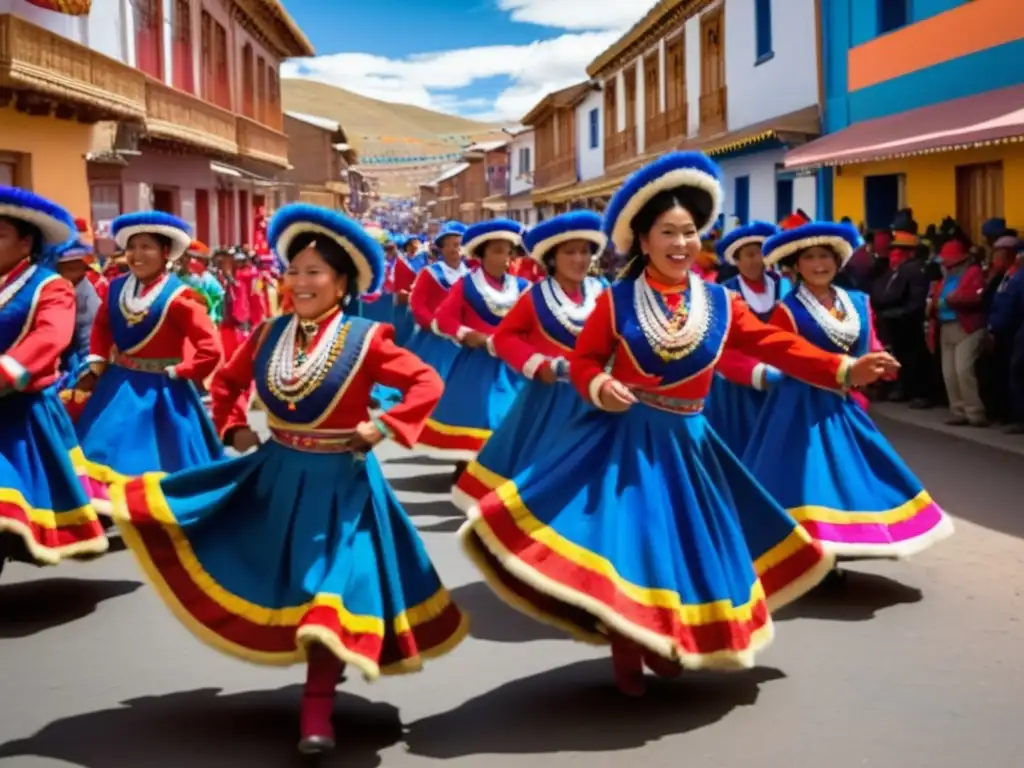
909 665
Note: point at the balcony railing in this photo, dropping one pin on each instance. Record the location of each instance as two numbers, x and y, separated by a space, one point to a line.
177 116
561 170
262 143
620 147
665 129
36 60
712 112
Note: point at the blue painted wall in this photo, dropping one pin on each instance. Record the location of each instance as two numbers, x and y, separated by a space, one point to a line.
849 23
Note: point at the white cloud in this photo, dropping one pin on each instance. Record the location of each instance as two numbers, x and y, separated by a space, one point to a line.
608 15
426 80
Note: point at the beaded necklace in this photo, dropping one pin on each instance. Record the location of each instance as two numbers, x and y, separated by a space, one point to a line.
294 373
135 307
567 312
498 301
672 335
841 323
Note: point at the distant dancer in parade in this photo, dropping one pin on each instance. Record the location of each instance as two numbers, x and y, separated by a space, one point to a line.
639 528
740 386
536 339
152 344
194 270
73 265
480 387
379 306
815 449
428 293
45 515
305 554
408 264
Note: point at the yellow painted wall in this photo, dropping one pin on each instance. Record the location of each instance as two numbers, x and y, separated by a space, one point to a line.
931 183
57 149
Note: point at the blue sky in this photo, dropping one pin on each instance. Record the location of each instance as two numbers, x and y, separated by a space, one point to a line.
487 59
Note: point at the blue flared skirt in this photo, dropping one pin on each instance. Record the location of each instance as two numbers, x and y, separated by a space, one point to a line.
261 555
645 525
138 422
479 390
43 502
733 410
404 324
539 417
436 351
822 457
381 310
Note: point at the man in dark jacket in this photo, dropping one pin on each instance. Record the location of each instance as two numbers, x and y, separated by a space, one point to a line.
898 298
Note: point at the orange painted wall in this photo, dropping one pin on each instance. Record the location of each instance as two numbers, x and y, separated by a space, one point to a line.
57 149
969 28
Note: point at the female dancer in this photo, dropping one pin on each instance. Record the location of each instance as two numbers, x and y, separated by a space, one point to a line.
815 449
304 553
536 338
44 512
644 530
740 385
152 343
408 264
429 291
480 388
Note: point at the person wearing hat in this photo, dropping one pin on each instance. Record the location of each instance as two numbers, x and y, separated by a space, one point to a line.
644 530
525 266
740 385
536 339
194 271
304 552
429 291
898 298
73 266
1006 333
815 449
956 326
45 514
480 387
408 264
236 315
152 344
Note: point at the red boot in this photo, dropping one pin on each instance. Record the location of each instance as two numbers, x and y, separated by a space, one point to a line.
628 663
323 671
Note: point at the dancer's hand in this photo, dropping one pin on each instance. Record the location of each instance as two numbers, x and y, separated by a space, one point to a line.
872 367
616 397
546 374
243 439
474 340
367 434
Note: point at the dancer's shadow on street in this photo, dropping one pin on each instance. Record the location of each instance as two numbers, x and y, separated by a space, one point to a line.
850 596
201 729
577 709
30 607
420 460
433 482
491 619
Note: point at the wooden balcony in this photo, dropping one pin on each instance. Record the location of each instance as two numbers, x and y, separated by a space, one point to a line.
561 170
620 147
712 112
665 129
173 115
52 72
260 142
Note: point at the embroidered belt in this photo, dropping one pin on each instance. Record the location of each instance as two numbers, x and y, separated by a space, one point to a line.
671 404
145 364
323 441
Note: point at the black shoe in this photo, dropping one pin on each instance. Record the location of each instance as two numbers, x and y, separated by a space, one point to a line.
315 745
957 421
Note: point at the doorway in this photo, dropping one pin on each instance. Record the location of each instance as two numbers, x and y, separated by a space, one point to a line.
979 196
164 199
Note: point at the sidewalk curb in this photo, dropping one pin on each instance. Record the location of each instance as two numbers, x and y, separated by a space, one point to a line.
932 420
